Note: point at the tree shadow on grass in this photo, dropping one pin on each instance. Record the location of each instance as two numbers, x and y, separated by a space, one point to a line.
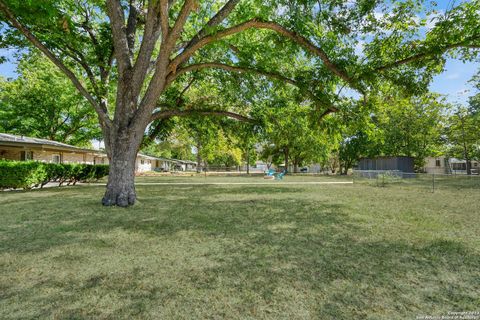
47 218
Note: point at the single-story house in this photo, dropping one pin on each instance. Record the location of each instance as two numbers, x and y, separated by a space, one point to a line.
445 165
164 164
184 165
20 148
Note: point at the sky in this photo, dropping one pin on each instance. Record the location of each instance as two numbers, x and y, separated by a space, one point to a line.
453 82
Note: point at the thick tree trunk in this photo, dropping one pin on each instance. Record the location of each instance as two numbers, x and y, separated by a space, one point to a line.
122 157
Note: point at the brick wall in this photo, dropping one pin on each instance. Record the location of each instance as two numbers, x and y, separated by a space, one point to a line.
100 160
43 156
9 154
74 158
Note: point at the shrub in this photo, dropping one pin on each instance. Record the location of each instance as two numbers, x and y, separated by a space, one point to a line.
87 173
101 170
54 172
26 175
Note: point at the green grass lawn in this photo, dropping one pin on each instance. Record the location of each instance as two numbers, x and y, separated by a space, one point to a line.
240 252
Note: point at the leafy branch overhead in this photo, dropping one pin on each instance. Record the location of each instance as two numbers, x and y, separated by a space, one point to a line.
78 34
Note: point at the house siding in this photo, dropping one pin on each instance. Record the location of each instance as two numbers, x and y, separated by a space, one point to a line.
10 154
431 165
447 165
146 166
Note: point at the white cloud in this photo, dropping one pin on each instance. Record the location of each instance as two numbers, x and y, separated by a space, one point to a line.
452 76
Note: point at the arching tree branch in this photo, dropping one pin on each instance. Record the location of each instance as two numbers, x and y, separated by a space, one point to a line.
82 61
221 15
175 32
269 74
426 54
217 65
256 23
165 114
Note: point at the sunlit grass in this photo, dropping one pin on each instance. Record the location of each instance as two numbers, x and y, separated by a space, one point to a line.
240 252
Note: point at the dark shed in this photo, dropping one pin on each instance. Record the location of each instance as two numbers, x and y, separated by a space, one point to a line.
403 164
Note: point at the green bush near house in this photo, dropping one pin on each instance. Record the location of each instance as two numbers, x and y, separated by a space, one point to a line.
54 172
24 175
85 172
101 170
29 174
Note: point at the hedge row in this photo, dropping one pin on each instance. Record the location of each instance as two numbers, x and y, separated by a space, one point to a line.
29 174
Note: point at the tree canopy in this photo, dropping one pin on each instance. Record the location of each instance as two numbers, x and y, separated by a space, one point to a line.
43 103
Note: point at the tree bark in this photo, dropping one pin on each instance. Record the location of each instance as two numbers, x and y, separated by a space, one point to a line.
121 179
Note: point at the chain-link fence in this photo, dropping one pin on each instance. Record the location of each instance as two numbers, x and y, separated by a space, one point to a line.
429 181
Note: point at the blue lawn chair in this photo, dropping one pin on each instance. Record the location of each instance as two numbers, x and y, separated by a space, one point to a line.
279 176
270 172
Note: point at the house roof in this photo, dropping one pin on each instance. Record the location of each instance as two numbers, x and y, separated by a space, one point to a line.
14 140
185 161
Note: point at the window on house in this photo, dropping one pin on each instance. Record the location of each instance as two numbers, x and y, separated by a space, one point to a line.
475 164
56 158
438 163
26 155
142 161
